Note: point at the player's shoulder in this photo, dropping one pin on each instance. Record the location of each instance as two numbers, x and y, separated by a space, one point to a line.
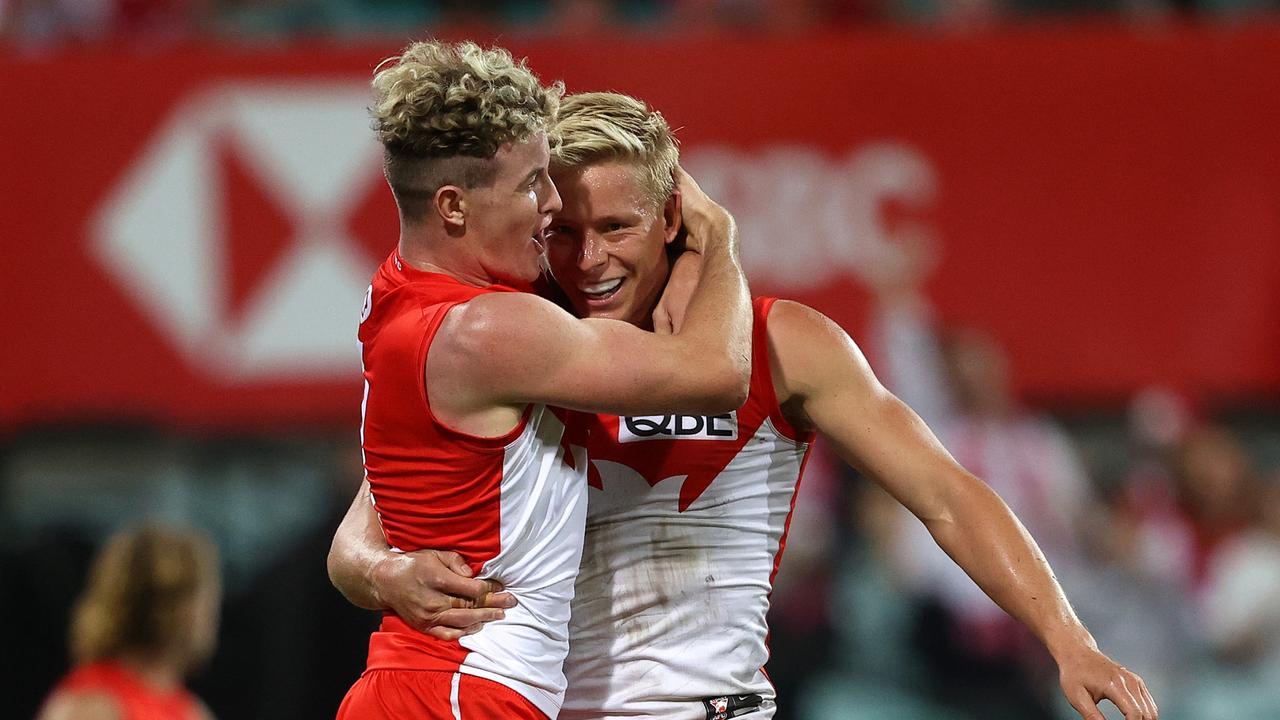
493 325
808 351
794 325
87 704
501 314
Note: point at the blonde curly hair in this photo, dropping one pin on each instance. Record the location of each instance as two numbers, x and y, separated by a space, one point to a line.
440 110
604 126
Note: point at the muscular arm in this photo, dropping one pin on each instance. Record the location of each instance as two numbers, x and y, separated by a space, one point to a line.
823 380
507 349
432 591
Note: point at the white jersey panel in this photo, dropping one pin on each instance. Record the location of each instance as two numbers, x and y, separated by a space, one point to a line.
670 606
543 513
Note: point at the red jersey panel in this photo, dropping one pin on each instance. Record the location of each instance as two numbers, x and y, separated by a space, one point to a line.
136 699
513 506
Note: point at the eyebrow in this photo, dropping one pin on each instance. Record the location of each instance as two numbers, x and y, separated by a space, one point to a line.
530 176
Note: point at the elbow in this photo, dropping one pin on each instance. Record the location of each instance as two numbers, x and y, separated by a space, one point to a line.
333 565
728 387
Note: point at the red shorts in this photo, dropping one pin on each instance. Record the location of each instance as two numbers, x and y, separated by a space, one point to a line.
433 695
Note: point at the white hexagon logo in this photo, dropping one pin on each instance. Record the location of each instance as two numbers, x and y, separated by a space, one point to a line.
162 232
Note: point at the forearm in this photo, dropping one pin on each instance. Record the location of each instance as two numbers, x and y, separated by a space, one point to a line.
358 546
718 319
982 535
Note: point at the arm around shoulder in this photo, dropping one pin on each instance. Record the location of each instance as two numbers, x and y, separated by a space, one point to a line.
516 348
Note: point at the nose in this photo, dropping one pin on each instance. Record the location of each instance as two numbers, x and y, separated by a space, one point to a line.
593 252
551 203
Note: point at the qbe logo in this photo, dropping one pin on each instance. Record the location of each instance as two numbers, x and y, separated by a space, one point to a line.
678 427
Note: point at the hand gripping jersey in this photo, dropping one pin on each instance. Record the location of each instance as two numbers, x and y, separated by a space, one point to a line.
513 506
134 698
686 522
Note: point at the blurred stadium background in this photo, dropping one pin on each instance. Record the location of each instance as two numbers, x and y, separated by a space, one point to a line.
1054 225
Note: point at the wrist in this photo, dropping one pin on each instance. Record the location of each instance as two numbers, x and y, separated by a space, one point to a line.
376 578
1068 641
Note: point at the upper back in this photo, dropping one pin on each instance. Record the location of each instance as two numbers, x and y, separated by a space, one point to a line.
97 689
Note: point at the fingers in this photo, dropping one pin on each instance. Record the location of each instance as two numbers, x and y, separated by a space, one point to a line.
1083 702
454 562
453 633
1151 701
453 624
1119 692
497 600
490 598
1140 693
661 321
460 618
447 581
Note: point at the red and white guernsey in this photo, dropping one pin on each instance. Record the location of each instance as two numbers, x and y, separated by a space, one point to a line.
686 522
513 506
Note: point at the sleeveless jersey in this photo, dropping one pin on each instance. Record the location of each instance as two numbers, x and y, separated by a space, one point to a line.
513 506
686 522
135 699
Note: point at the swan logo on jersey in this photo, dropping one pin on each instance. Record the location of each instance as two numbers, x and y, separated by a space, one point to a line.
731 706
678 427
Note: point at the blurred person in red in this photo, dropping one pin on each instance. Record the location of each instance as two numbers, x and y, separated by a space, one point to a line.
462 365
147 618
688 515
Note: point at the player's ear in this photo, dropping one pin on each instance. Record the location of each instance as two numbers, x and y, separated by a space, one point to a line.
671 218
450 204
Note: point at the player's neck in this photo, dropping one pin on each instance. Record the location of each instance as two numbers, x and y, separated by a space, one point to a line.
157 671
447 258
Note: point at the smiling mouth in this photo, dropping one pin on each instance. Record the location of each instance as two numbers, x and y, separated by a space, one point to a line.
601 291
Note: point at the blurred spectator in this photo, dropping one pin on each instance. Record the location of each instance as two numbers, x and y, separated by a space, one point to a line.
147 618
40 22
1241 619
1177 536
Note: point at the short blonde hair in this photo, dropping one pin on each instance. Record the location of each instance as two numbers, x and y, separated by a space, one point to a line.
604 126
140 594
441 110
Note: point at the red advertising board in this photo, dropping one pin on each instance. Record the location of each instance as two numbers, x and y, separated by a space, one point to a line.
187 233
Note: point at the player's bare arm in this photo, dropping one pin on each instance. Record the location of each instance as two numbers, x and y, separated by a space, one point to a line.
500 351
824 382
431 590
668 315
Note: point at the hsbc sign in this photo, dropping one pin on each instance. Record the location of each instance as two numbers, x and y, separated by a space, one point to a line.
168 236
163 233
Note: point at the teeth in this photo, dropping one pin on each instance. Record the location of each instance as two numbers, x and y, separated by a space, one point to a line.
603 288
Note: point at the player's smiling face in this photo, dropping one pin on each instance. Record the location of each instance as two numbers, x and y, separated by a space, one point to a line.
607 247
